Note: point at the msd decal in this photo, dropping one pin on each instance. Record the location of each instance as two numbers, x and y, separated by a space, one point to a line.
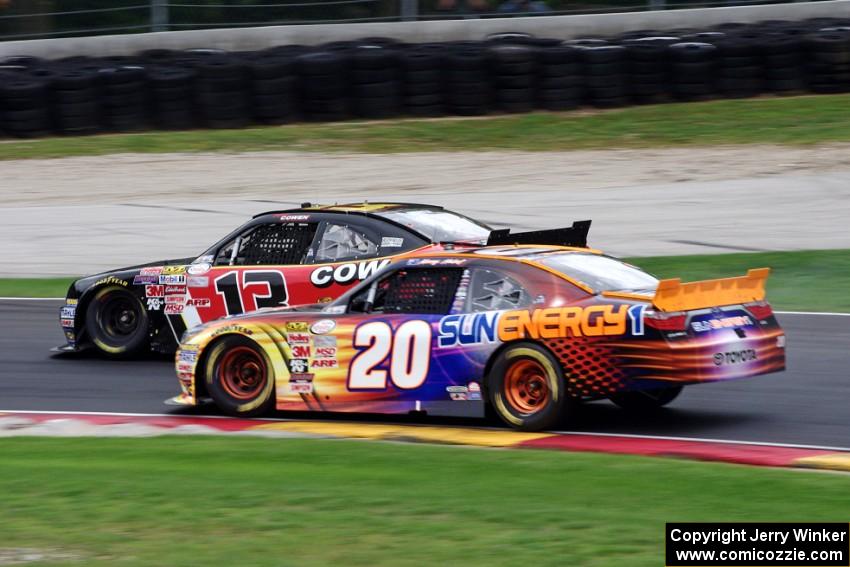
345 274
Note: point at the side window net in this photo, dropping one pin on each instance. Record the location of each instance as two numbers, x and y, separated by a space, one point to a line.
424 290
277 244
492 291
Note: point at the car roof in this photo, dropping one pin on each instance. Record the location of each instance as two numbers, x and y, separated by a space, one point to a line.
364 208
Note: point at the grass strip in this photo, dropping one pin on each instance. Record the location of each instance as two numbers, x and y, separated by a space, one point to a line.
223 501
798 120
814 280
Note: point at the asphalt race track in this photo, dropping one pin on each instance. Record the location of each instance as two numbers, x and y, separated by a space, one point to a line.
806 405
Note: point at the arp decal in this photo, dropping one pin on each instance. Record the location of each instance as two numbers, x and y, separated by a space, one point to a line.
345 274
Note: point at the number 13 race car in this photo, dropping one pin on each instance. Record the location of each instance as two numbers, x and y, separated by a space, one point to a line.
529 330
294 257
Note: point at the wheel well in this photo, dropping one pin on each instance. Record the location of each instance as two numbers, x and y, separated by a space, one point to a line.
200 383
498 351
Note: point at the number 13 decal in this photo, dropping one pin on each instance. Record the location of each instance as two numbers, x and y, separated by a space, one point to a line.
409 351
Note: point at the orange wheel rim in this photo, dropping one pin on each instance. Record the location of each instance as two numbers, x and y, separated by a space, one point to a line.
526 386
242 373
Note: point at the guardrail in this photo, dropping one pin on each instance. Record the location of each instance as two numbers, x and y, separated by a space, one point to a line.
36 19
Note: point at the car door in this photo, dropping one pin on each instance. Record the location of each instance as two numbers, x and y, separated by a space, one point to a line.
254 270
380 355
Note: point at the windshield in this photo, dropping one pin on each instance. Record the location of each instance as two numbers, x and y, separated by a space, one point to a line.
602 273
439 225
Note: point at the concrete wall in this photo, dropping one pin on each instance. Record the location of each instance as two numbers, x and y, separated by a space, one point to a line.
544 26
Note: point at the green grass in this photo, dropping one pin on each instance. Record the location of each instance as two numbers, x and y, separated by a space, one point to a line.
815 280
213 501
807 281
793 120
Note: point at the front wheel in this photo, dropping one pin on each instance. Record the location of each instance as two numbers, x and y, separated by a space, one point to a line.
117 322
239 377
526 387
646 400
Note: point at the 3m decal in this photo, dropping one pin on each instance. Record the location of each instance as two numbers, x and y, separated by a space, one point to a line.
154 291
468 329
254 290
558 322
408 350
345 274
300 351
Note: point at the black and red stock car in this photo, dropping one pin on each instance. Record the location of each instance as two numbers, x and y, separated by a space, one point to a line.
308 255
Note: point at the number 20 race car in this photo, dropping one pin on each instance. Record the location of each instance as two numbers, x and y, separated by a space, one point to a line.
529 330
302 256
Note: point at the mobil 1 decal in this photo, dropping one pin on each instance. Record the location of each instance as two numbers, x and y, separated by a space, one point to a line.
249 290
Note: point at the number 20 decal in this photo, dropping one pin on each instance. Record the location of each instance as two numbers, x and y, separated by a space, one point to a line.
409 351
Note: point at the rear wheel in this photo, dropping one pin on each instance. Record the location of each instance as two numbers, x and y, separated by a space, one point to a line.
646 400
239 377
526 387
117 322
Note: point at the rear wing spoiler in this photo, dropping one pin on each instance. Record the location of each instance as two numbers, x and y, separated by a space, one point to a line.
673 295
574 236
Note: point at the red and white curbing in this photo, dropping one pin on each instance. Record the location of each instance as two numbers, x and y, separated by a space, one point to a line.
80 424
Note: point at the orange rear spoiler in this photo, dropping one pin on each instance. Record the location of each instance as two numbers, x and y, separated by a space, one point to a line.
673 295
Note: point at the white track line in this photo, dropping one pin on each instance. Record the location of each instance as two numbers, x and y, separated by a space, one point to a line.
628 435
32 298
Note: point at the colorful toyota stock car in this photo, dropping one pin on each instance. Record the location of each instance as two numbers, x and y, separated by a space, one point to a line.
529 330
301 256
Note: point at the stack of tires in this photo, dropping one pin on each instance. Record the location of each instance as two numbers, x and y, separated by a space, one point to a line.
559 77
375 82
648 65
421 72
24 100
124 101
322 85
692 66
782 56
75 98
605 76
274 98
467 84
512 75
829 60
739 65
222 90
172 91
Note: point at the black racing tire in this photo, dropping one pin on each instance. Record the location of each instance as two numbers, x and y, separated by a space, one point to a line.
117 322
646 400
239 376
526 387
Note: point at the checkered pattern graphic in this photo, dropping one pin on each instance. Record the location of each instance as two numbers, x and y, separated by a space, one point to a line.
590 368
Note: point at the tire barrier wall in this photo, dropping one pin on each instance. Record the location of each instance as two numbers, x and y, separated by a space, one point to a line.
381 77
